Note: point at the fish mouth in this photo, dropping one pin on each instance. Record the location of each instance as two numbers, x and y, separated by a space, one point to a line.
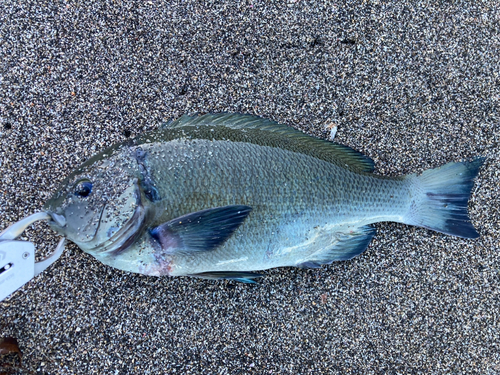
60 220
59 223
56 221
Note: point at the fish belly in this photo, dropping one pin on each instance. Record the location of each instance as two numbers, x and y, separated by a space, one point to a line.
301 205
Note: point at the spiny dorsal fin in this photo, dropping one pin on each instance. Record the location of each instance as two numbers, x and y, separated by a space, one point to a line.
297 141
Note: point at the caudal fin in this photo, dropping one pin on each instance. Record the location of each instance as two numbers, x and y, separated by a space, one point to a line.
440 198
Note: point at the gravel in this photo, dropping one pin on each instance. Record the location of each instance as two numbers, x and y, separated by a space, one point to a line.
411 84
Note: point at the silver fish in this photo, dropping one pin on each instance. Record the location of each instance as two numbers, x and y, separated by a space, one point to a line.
222 195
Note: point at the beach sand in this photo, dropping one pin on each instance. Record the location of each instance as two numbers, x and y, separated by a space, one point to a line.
411 86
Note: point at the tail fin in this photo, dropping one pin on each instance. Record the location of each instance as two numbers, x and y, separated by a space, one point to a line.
440 198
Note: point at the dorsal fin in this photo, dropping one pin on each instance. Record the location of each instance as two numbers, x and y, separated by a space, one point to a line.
230 120
289 138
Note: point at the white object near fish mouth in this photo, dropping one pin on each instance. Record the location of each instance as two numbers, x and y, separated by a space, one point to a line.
16 229
17 258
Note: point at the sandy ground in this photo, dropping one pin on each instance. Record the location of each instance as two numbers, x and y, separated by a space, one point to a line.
411 86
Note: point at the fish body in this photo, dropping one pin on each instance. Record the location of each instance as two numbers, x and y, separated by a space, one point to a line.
219 196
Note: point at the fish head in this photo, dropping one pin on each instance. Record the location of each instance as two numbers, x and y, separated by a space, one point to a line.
99 206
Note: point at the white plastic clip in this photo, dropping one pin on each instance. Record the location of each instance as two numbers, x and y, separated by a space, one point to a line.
17 258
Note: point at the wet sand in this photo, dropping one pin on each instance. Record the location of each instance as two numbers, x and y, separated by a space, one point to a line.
412 87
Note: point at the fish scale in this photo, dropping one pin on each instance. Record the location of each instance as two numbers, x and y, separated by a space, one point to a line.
317 193
218 196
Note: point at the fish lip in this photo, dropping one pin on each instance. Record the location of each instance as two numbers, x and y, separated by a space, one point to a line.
58 223
58 219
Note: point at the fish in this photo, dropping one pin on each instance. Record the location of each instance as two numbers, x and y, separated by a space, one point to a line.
223 196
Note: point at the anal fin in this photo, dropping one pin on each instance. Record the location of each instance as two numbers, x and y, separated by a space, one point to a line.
349 246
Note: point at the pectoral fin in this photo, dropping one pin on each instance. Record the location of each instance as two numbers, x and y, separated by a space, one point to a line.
242 277
200 231
348 246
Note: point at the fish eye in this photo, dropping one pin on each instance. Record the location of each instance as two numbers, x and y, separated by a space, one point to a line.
83 188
